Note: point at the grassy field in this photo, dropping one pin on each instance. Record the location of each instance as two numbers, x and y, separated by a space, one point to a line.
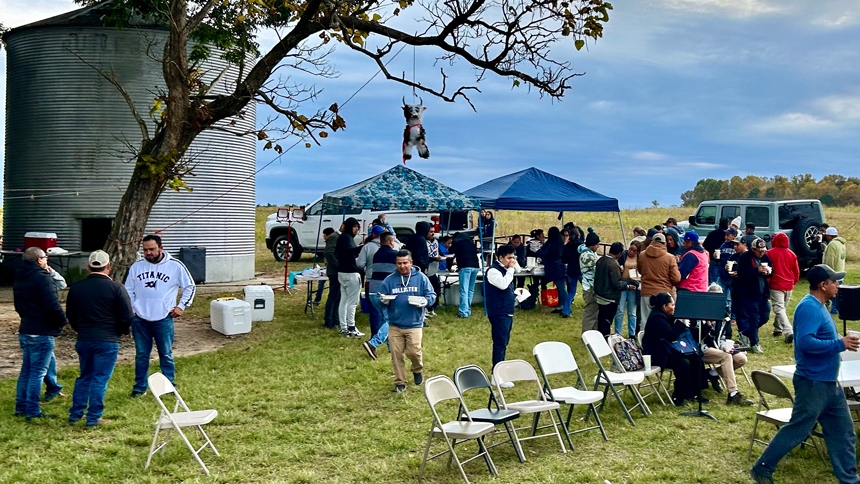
299 404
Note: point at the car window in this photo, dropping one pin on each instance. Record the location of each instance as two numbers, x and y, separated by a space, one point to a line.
730 211
760 216
314 209
790 213
707 215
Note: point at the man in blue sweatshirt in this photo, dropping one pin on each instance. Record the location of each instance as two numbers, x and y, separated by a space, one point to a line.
413 292
818 396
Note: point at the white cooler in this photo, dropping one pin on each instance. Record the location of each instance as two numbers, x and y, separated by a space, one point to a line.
229 316
262 300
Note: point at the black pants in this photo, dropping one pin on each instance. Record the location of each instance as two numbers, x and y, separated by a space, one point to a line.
605 317
500 326
688 383
332 320
437 288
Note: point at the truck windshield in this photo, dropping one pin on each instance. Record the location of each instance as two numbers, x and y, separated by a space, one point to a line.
790 213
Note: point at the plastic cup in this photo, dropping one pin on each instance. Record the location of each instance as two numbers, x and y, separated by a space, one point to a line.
634 274
853 334
730 266
647 360
716 255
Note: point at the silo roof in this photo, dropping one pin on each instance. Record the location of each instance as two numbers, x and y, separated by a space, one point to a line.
92 16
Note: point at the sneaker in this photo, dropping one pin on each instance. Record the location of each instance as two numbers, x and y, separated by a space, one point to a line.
20 414
41 416
777 333
101 422
50 398
555 311
506 384
399 389
136 394
744 340
738 399
355 333
344 331
565 315
73 421
789 339
715 382
417 378
760 475
430 314
371 351
757 349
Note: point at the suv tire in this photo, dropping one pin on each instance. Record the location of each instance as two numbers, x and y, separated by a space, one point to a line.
280 248
802 235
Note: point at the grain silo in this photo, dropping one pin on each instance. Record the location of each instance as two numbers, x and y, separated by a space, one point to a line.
67 136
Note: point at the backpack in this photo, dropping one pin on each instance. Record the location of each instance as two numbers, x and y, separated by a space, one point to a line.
629 355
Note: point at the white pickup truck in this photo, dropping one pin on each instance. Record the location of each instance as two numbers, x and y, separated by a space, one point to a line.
306 235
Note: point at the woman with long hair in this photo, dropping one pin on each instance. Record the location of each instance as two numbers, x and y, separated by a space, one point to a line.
554 270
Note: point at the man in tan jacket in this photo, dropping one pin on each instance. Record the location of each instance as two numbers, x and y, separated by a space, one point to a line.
659 271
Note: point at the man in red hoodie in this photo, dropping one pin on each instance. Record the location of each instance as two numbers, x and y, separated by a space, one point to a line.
785 275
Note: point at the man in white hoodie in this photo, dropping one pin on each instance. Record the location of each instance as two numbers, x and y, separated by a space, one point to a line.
152 285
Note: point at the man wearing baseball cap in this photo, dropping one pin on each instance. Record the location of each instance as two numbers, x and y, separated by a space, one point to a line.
834 256
751 296
818 397
693 266
99 310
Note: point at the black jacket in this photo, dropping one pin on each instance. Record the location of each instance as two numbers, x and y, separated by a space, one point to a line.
551 255
36 301
417 244
465 252
750 283
607 279
570 256
714 240
99 309
345 250
660 330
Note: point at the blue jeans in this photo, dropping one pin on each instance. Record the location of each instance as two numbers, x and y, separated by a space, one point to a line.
571 292
713 273
331 319
627 302
822 402
379 334
144 332
727 290
97 359
52 386
834 303
36 352
319 294
561 285
500 330
468 276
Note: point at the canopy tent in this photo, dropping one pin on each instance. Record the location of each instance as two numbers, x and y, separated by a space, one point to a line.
534 189
400 188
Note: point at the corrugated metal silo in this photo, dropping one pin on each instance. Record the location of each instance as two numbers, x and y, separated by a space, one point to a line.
67 128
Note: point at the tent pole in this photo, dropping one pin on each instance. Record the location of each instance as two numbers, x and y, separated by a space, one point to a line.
481 262
623 232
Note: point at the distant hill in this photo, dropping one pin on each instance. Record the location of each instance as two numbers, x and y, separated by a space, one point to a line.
832 190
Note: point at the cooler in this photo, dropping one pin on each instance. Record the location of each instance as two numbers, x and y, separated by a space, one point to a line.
262 300
42 240
229 316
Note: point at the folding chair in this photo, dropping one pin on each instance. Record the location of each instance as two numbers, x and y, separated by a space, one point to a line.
438 389
176 420
555 358
472 377
654 384
598 349
521 371
663 371
768 383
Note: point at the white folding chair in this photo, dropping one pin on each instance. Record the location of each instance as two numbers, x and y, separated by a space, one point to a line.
654 382
521 371
598 349
770 384
180 417
663 371
554 358
438 389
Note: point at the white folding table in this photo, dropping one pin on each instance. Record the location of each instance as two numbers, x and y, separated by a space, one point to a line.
849 373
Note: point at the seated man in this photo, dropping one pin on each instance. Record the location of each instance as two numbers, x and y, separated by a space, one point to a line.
714 352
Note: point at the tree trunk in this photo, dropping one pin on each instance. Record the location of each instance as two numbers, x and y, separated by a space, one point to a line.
130 222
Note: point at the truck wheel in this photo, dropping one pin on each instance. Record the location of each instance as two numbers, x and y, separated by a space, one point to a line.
280 249
802 236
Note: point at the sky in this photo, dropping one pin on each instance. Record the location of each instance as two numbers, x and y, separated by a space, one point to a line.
676 91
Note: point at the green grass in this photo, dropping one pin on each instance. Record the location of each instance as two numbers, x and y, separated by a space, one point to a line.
298 404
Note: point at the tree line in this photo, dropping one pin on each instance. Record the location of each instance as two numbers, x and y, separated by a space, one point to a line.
832 190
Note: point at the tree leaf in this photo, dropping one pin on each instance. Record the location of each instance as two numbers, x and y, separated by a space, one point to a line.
579 44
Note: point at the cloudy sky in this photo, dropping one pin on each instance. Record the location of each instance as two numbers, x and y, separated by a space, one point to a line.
676 91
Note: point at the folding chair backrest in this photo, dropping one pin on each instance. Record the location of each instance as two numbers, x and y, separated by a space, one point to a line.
159 385
554 357
639 336
768 383
513 371
611 341
440 388
470 377
594 340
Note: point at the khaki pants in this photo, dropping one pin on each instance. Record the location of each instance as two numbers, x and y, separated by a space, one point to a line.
406 341
728 364
589 312
779 301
